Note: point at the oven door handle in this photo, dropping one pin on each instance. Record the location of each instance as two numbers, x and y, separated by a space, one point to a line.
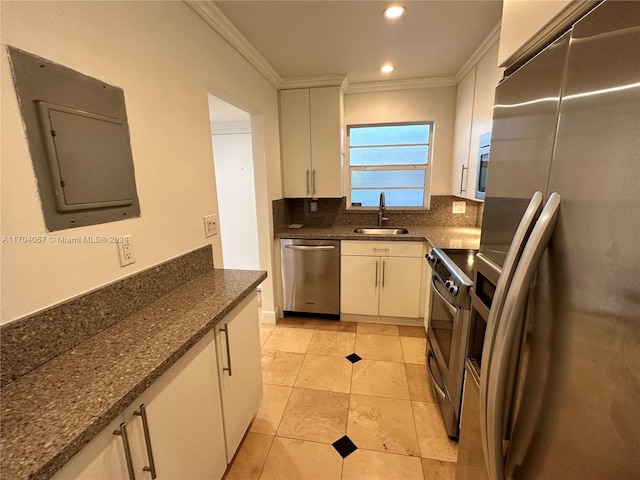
441 391
452 309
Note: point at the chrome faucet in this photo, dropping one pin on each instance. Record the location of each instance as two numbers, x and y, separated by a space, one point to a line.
382 220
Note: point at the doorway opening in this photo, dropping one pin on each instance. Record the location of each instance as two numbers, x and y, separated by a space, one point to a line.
235 184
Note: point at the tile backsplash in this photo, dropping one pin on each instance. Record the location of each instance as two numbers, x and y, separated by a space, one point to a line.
333 212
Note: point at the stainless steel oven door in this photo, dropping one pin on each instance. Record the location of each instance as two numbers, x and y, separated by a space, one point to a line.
447 335
443 318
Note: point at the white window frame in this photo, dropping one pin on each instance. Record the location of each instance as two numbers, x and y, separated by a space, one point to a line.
427 167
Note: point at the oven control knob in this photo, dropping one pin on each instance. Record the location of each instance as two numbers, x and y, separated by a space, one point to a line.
430 258
451 286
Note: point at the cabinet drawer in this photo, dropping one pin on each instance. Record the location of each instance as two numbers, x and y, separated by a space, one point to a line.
381 249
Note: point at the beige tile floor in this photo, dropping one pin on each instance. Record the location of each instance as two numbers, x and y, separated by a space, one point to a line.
313 396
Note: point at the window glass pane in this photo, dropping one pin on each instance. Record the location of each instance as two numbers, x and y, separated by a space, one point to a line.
389 158
393 198
416 155
387 178
389 135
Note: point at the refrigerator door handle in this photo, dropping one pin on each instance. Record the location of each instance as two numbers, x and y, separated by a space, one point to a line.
505 336
510 264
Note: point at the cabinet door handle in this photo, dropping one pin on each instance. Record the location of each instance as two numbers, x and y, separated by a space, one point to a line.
127 450
147 440
376 274
308 191
383 262
462 179
225 329
313 180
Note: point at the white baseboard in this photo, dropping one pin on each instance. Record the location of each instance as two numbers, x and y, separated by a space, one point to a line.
268 317
410 322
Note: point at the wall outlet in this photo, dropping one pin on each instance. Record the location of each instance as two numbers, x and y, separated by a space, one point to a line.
210 225
125 251
313 206
459 207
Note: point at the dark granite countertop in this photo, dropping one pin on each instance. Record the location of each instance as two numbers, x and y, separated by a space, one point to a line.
441 237
49 414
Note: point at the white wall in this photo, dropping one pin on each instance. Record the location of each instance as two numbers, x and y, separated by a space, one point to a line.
233 160
424 104
524 19
166 59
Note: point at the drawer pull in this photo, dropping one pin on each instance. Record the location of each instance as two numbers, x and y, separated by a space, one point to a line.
127 450
225 329
383 274
147 440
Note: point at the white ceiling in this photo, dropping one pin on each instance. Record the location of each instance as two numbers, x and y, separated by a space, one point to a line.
301 39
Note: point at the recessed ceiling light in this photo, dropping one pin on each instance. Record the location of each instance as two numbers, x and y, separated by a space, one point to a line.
394 11
388 68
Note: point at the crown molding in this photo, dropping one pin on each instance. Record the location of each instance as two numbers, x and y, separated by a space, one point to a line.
385 86
217 20
484 47
221 24
318 81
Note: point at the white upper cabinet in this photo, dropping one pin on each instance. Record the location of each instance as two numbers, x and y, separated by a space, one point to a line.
488 75
311 121
295 124
474 114
462 136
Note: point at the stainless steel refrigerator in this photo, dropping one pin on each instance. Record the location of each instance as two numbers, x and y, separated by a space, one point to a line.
560 375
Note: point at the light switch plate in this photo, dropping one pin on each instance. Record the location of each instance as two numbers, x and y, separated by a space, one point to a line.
210 225
459 207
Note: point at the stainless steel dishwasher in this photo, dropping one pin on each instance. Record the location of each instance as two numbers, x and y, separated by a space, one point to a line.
311 276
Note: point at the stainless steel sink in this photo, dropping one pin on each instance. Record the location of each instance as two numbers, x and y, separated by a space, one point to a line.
381 230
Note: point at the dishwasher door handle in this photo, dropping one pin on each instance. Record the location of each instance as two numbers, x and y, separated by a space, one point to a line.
310 247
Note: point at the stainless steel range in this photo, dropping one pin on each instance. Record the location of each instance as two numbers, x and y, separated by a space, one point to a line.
448 329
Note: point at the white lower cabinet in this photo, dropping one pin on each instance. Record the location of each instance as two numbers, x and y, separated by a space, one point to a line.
401 287
359 280
196 413
381 278
184 418
239 370
102 459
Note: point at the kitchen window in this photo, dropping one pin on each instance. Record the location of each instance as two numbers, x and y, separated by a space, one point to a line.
391 158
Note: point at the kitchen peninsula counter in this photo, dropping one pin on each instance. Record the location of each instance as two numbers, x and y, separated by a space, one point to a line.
50 413
440 237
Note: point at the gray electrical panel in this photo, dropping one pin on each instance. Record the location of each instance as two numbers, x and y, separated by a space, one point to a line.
79 142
